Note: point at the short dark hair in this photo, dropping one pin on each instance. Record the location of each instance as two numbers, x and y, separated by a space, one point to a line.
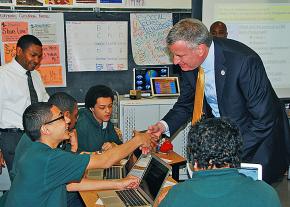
215 142
34 117
63 101
95 92
26 40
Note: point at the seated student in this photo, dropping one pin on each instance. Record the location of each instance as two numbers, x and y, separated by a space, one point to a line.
219 29
214 149
68 106
94 129
48 171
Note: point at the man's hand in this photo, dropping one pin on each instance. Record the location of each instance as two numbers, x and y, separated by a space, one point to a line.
156 130
73 140
108 145
147 142
2 162
128 182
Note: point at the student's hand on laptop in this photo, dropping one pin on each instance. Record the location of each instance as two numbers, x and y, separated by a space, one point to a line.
73 140
128 182
108 145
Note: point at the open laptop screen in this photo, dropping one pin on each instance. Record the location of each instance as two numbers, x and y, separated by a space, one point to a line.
153 178
251 170
165 86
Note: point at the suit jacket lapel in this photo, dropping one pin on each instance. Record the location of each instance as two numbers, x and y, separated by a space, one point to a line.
220 72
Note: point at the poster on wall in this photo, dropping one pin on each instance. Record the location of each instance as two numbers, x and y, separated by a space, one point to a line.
97 45
49 29
148 34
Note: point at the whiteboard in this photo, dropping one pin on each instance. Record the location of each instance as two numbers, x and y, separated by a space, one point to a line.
97 45
49 28
262 25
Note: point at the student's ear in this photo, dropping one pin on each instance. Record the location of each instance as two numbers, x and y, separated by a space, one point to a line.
44 130
92 109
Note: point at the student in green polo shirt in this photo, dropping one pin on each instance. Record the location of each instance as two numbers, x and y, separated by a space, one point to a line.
48 171
214 150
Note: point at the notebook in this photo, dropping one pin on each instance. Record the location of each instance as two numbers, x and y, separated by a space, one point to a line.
165 86
114 172
153 179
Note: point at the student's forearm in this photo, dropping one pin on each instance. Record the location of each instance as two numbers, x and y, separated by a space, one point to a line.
110 157
87 184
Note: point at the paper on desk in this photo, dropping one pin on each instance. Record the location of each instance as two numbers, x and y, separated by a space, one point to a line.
99 202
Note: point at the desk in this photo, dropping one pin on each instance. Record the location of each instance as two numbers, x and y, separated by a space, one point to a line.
90 197
177 162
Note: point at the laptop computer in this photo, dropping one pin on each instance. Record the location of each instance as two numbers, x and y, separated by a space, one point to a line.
151 183
252 170
165 86
114 172
249 169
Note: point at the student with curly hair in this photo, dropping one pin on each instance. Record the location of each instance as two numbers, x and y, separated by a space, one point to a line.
214 150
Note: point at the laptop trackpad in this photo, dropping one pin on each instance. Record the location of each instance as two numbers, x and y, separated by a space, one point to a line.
110 199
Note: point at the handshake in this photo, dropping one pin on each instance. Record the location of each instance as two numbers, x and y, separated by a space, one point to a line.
146 140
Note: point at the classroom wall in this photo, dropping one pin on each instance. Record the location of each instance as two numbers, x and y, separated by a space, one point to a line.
122 81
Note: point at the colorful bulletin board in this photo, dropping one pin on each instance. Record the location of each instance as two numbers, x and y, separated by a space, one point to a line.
148 34
49 28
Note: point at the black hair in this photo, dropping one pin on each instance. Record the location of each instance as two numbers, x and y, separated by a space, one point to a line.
26 41
63 101
216 143
34 117
95 92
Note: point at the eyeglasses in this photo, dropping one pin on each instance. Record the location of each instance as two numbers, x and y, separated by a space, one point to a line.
58 118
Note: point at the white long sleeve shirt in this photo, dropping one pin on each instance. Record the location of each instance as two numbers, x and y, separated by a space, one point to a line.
14 93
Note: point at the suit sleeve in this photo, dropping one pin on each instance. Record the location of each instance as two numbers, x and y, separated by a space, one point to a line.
182 109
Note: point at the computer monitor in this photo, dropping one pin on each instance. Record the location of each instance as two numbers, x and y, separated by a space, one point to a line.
142 76
165 86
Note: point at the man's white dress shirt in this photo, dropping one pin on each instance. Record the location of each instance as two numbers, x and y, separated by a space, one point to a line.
14 93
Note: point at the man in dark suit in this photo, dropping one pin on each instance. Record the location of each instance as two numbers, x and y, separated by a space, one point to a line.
237 87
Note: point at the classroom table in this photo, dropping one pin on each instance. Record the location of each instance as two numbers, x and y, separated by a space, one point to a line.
90 197
176 162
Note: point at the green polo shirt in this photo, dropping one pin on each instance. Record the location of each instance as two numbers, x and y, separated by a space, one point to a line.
42 175
220 188
91 134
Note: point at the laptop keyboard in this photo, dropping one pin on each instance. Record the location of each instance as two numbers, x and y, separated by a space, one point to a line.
113 173
130 198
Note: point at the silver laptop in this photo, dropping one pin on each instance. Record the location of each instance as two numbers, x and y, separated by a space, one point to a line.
153 179
114 172
165 86
251 170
